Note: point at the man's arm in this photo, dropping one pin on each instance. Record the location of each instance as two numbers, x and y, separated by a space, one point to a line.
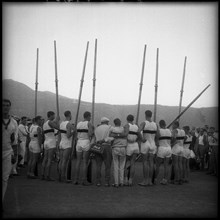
39 136
173 138
23 130
70 130
90 130
141 128
55 123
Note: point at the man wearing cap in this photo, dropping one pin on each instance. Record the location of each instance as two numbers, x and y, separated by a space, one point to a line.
102 136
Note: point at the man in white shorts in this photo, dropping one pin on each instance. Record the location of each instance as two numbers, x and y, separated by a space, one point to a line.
49 144
178 136
149 131
84 136
186 154
34 146
67 131
132 150
164 152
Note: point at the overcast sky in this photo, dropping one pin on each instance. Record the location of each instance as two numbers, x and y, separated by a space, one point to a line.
122 30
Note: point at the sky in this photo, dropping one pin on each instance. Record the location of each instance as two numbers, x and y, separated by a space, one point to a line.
122 30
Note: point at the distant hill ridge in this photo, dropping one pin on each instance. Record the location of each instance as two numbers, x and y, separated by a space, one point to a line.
23 99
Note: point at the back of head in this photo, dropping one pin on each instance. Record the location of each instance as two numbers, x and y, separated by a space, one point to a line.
67 113
130 118
23 118
186 128
37 119
176 124
117 122
148 113
162 123
50 113
86 114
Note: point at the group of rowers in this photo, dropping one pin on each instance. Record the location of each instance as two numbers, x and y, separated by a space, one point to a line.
121 146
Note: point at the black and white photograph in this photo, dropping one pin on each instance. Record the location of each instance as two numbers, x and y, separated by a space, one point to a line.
110 109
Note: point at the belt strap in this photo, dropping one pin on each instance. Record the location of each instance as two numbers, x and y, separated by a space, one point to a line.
83 130
165 137
63 131
149 132
180 138
48 131
133 132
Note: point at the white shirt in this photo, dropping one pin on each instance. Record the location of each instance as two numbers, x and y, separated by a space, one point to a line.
7 131
22 132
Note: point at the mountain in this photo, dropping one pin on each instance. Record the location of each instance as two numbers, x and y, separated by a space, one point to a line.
23 99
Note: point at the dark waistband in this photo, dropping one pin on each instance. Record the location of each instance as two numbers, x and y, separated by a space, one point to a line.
83 130
149 132
180 138
48 131
133 132
35 135
165 137
187 142
63 131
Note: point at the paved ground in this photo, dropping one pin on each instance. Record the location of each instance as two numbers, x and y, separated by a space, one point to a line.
27 198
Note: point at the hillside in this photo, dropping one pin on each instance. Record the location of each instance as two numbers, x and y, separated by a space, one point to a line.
22 98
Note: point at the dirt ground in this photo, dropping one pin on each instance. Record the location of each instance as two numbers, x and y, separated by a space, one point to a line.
35 198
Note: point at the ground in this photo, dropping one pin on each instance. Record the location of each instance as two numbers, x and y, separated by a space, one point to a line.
35 198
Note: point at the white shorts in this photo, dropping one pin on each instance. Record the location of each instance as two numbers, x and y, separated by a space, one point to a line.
49 144
186 153
148 148
192 154
34 147
64 145
177 150
82 145
163 152
132 148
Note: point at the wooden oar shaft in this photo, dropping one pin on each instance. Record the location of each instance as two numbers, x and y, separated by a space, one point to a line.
188 106
141 84
56 78
182 86
36 84
94 82
81 84
156 86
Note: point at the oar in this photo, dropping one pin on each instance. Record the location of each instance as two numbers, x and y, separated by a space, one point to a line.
73 149
90 165
181 91
188 106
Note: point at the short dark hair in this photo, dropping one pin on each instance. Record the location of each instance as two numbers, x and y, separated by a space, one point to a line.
8 101
50 113
23 117
176 123
37 118
86 114
148 113
130 118
67 113
117 121
186 127
162 123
